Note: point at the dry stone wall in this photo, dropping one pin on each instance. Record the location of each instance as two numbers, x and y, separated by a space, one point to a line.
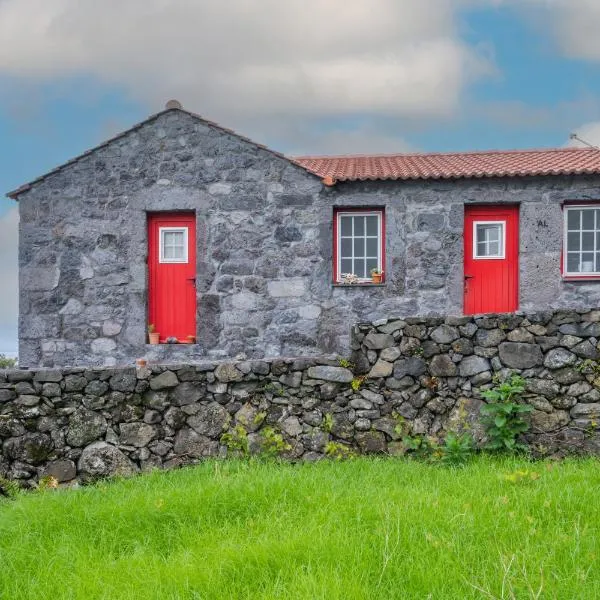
425 373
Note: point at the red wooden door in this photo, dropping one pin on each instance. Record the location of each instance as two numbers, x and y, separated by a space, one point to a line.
172 274
491 270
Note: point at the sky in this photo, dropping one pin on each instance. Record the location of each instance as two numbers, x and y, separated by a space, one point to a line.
302 76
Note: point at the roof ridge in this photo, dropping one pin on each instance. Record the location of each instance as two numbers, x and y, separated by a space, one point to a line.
446 153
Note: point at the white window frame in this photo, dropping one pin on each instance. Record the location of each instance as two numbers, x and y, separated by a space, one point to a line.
502 254
362 213
161 254
566 210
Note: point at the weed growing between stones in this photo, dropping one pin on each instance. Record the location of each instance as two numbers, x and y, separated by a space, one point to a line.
339 451
502 416
236 440
272 443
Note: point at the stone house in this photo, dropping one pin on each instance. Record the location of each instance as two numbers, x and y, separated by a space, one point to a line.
222 242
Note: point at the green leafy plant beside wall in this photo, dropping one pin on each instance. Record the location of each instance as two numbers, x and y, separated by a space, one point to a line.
502 416
7 362
457 449
236 440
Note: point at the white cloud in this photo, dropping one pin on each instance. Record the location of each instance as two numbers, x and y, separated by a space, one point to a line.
243 59
9 223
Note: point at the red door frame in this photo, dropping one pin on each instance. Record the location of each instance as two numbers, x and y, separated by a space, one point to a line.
491 284
172 285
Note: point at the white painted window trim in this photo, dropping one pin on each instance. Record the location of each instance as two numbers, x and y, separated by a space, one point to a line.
353 213
161 256
596 229
502 254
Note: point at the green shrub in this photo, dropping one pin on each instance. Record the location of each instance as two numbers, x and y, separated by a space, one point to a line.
458 449
339 451
8 488
7 362
502 416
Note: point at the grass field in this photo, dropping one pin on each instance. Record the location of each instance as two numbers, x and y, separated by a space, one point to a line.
373 529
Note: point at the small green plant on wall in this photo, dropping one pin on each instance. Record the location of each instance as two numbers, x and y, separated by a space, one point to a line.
339 451
272 443
502 416
236 440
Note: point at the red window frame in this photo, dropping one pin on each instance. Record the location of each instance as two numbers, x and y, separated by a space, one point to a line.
563 271
337 211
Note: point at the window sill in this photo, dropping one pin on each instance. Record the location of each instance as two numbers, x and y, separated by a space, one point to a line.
361 284
581 277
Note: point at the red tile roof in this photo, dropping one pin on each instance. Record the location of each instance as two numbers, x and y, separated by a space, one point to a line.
455 165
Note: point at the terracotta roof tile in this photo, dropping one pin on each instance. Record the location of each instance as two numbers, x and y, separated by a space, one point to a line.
455 165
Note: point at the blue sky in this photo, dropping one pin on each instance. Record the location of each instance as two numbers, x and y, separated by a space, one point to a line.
429 75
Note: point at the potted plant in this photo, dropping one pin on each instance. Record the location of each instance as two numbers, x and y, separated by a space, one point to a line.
191 339
153 336
376 275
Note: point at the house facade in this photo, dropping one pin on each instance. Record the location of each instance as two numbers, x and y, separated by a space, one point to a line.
220 242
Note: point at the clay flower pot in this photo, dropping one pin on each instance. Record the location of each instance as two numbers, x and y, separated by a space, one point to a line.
191 339
377 277
154 338
140 363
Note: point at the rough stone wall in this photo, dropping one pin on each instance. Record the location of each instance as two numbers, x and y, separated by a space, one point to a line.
425 372
264 230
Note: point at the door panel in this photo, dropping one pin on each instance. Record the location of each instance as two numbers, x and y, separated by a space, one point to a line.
491 258
171 274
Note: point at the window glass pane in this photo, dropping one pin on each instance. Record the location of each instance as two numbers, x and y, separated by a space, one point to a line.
359 225
178 253
359 268
598 241
372 247
588 218
573 262
573 241
481 249
493 233
173 238
587 262
359 247
587 240
346 247
372 228
168 252
494 249
573 219
480 234
597 218
346 225
597 268
371 264
346 266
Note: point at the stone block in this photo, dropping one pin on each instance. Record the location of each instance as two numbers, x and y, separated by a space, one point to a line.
516 355
287 288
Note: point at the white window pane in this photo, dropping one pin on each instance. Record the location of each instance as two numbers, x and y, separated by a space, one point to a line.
480 234
494 249
587 262
587 241
598 241
168 252
346 247
346 266
597 267
482 249
372 228
573 262
372 247
173 238
371 264
359 226
359 268
598 218
588 219
359 247
573 241
346 225
573 219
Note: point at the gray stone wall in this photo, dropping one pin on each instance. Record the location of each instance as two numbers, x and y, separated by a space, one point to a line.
425 374
264 230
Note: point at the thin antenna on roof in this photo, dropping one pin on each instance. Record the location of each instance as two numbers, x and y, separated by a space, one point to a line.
574 136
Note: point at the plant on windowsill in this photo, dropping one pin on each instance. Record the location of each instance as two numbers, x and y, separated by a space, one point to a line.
153 336
376 275
350 278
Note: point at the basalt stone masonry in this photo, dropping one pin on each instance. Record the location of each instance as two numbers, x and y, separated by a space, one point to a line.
425 375
264 248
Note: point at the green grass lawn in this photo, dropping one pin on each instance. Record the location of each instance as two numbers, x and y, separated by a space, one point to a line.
379 528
